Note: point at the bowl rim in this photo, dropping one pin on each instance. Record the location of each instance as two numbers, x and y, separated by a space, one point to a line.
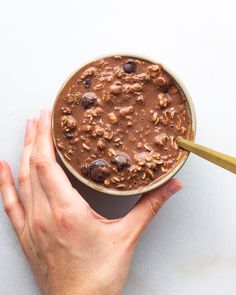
153 185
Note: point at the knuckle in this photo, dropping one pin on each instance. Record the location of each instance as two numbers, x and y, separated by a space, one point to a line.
22 178
9 206
33 160
42 166
63 219
40 163
155 205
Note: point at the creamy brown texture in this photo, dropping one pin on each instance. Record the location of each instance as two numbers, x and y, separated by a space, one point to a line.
116 120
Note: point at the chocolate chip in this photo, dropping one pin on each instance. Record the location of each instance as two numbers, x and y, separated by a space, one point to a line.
99 170
129 67
121 160
89 99
85 169
87 82
69 135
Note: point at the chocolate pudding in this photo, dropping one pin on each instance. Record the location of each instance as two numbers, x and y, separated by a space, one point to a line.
116 120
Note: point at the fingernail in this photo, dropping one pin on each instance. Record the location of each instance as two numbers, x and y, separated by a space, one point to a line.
174 187
1 166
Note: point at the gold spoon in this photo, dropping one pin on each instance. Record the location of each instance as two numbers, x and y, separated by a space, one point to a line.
222 160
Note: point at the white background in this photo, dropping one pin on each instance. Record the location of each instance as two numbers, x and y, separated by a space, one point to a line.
190 248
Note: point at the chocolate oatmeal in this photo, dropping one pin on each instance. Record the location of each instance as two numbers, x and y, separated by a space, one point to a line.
116 120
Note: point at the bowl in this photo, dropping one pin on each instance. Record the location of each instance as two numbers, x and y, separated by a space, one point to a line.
156 183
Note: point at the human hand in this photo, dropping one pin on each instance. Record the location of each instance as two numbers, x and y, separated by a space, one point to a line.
71 248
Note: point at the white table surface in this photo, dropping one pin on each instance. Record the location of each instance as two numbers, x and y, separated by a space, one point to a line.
190 248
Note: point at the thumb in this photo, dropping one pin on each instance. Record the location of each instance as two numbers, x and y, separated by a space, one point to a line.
147 207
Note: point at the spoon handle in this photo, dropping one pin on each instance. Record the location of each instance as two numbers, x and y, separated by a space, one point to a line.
222 160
